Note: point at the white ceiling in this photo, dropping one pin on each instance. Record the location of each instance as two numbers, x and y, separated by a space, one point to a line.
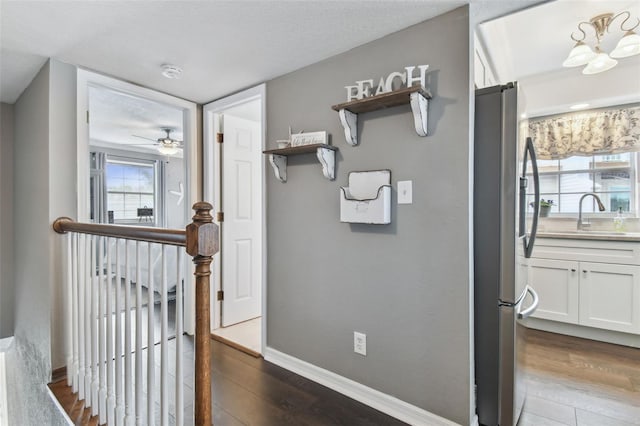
223 46
529 47
117 119
126 122
537 40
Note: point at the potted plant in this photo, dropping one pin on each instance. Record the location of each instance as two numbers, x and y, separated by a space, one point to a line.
545 207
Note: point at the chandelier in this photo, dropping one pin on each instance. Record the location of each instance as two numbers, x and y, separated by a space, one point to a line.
597 61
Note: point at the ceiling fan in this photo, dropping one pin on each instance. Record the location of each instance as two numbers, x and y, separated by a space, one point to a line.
166 145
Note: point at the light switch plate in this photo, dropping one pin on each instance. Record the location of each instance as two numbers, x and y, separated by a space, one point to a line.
405 192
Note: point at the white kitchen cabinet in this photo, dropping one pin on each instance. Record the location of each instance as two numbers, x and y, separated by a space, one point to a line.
587 283
610 296
557 285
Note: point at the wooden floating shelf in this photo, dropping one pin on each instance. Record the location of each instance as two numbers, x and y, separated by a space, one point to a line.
385 100
326 155
417 96
303 149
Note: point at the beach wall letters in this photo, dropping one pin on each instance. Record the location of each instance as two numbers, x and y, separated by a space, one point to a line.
365 88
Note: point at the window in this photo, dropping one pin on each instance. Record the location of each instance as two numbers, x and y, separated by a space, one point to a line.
612 177
131 185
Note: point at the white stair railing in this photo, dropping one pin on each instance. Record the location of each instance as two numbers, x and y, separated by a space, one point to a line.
106 361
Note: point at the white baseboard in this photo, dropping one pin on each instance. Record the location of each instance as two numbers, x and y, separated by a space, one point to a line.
4 415
5 345
380 401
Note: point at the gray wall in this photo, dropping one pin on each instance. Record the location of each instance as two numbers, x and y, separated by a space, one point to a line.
30 361
6 220
31 216
44 187
63 190
406 285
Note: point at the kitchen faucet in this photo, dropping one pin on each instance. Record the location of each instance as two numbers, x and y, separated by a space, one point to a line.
582 225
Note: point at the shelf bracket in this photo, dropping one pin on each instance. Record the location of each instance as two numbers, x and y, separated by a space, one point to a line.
327 158
279 164
349 121
419 105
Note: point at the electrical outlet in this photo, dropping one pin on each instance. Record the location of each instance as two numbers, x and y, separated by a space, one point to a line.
360 343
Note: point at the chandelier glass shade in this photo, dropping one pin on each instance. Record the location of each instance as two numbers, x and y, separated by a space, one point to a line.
169 149
168 146
600 63
580 55
628 45
596 60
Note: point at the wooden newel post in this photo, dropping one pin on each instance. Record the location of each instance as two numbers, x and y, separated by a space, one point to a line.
202 244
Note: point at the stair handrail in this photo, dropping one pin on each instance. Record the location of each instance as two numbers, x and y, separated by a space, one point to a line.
200 238
176 237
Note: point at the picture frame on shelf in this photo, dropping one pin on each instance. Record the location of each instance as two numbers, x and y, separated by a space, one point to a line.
311 138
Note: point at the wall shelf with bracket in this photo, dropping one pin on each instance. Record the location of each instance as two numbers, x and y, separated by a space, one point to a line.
326 155
417 96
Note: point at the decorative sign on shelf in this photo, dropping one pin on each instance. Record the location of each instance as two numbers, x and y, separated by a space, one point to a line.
312 138
366 88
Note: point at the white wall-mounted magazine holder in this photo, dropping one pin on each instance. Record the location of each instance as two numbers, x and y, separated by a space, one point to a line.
367 199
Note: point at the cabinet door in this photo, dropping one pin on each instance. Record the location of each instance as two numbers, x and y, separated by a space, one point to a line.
610 296
557 285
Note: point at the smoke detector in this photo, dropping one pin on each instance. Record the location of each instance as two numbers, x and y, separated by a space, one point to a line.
171 71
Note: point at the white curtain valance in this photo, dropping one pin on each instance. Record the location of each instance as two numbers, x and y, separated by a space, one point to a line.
601 132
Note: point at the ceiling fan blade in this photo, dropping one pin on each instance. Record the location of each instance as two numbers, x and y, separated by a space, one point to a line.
142 137
141 144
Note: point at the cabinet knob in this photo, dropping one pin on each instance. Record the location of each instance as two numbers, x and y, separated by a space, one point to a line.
573 270
585 271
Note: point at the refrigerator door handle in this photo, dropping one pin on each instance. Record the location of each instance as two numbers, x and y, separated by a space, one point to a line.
532 308
529 242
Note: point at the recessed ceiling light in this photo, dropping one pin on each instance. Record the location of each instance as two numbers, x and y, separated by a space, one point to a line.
171 71
523 115
579 106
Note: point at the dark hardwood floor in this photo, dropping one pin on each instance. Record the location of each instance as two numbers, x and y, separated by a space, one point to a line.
250 391
571 382
580 382
78 414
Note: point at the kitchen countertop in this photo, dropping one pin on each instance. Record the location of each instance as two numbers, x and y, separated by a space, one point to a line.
591 235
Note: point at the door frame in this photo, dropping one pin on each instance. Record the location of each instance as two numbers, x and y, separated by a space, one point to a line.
211 170
87 79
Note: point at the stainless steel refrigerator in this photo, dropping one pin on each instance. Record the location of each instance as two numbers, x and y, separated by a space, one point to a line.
502 243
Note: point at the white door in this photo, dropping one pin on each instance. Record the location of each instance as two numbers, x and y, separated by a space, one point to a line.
241 202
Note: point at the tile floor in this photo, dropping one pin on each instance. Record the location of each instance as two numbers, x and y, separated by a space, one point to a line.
580 382
247 334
